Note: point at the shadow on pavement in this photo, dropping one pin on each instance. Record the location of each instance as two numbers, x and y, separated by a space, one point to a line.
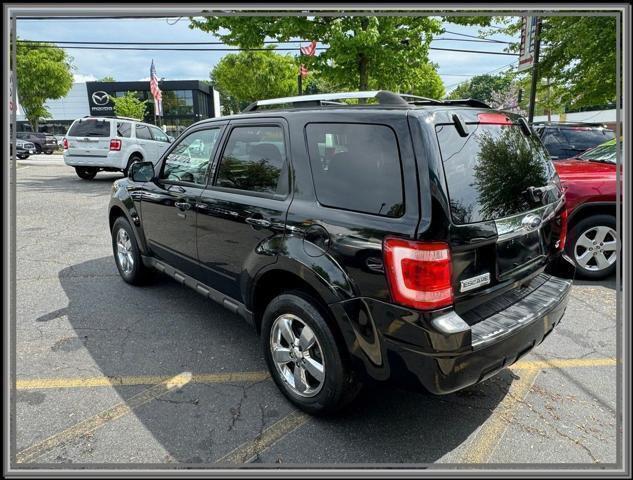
166 329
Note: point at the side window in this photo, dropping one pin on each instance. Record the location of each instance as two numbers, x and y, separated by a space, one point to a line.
124 129
159 135
189 159
254 159
359 158
142 132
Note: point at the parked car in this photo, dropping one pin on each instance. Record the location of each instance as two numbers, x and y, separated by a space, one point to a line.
377 241
23 149
43 142
565 139
111 144
590 183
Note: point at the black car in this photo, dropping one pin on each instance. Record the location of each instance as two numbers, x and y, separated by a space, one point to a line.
407 239
566 140
42 141
23 149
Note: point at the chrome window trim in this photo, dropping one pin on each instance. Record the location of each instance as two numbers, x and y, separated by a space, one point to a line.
513 226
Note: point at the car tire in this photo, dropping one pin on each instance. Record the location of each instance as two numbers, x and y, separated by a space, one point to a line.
86 173
23 157
38 149
127 255
594 264
48 152
133 159
337 385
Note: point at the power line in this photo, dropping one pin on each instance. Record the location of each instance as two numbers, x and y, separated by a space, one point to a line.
475 36
36 45
483 73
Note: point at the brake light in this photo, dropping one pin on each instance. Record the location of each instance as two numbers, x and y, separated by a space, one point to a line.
65 142
563 229
494 118
419 273
115 144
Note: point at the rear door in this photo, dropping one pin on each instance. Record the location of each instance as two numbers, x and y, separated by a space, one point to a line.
89 137
145 140
245 204
504 199
161 140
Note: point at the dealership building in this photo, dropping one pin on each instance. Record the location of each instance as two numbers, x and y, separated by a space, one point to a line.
184 102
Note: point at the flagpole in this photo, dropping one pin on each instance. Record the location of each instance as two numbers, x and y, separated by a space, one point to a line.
299 79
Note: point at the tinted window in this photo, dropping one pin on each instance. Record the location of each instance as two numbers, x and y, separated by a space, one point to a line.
489 171
254 159
159 135
189 159
569 142
356 167
90 128
142 132
602 153
124 129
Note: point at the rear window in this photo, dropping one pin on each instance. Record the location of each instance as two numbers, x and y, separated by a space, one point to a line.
489 171
356 167
569 142
90 128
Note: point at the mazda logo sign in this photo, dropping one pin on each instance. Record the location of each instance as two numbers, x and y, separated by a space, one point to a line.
531 222
100 98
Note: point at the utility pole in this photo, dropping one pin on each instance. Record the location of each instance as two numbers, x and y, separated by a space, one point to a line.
537 49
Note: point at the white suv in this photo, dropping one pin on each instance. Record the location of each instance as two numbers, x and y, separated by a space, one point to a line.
111 144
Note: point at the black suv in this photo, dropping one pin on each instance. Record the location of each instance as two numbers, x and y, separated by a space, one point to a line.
407 238
42 141
567 139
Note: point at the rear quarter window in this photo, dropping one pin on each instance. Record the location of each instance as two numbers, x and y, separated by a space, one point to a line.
356 167
124 129
90 128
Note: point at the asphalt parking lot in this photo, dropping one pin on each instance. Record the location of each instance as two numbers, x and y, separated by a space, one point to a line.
108 373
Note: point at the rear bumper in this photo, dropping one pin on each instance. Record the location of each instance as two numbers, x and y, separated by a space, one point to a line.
112 160
442 352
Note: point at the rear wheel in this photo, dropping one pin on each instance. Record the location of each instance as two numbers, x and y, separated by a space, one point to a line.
593 246
133 159
86 173
23 157
303 356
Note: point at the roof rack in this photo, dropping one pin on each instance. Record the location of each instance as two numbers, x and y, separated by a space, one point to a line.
383 97
110 116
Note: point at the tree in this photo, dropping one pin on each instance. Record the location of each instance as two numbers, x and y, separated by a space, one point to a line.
578 56
482 87
43 73
363 51
242 78
107 78
129 106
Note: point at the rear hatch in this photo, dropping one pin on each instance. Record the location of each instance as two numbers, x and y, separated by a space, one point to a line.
89 137
505 203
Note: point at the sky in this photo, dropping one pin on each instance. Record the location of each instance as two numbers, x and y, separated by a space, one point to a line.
453 67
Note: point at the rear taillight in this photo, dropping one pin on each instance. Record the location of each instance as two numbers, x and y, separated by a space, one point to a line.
115 144
65 142
419 273
563 229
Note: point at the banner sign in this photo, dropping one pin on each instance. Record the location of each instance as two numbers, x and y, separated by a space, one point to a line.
526 51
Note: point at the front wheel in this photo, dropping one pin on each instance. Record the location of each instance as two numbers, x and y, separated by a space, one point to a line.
86 173
23 157
133 159
303 356
593 246
127 255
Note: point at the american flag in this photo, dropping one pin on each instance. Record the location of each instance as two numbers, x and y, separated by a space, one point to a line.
310 49
156 93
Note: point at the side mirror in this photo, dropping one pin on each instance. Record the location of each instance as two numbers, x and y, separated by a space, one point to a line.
141 171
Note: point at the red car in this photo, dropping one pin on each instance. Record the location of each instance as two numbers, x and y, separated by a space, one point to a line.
590 182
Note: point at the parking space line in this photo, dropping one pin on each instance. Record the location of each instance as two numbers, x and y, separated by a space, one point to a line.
88 382
266 439
564 363
101 419
490 433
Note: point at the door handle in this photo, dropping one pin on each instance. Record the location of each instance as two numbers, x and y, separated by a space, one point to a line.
258 222
183 205
176 188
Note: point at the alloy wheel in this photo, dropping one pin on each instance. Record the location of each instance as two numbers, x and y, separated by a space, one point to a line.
596 248
124 251
297 355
